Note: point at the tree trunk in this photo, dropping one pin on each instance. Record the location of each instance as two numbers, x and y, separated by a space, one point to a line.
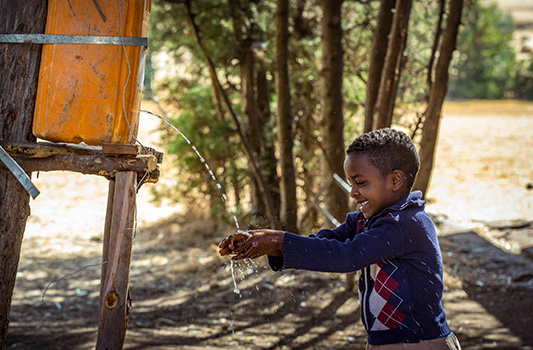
377 59
430 66
268 157
434 47
289 219
248 107
385 103
19 69
332 123
307 156
437 95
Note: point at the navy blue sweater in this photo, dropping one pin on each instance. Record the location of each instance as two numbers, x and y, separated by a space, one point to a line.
399 261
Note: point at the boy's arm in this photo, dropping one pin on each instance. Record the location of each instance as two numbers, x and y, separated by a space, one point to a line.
342 233
383 241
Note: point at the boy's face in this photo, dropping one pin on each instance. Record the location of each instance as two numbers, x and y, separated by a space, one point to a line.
370 189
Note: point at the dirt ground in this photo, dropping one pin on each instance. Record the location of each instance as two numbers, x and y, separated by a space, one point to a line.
183 292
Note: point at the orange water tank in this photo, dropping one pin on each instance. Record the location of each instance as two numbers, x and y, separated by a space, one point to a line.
86 91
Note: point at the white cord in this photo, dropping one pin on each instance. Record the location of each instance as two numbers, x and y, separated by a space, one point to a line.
70 274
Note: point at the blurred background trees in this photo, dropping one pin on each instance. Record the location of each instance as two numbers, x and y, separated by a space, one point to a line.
221 73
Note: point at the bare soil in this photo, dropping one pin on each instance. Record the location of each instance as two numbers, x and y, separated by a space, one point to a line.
183 292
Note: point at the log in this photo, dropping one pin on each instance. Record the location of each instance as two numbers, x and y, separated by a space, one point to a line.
113 309
49 149
95 164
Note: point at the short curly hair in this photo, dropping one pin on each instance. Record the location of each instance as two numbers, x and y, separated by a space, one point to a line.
388 150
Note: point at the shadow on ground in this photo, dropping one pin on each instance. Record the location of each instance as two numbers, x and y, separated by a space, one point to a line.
498 281
183 298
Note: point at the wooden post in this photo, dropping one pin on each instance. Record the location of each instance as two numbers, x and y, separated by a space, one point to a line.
113 308
107 233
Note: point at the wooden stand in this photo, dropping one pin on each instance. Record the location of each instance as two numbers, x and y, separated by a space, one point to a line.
118 236
124 168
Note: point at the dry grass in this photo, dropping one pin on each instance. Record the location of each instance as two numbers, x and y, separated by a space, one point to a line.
485 108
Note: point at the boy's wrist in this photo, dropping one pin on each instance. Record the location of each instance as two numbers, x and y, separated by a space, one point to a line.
280 239
277 237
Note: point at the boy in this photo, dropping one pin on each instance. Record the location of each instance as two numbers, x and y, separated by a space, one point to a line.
391 241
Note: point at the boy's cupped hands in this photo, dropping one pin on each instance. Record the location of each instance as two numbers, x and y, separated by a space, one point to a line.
252 244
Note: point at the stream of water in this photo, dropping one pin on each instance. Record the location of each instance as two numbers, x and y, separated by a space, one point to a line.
223 195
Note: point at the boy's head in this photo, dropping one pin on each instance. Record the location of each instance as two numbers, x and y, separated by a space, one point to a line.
381 166
388 150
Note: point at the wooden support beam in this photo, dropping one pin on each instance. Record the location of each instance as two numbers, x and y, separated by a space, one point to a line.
48 149
95 160
96 164
121 149
107 233
113 308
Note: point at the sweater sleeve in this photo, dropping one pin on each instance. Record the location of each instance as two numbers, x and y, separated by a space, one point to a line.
341 233
316 253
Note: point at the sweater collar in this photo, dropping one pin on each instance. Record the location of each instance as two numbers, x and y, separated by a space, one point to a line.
412 199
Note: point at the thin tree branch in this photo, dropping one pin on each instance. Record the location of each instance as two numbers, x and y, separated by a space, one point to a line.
267 197
435 46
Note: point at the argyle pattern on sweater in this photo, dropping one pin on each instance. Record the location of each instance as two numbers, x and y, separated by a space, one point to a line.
384 302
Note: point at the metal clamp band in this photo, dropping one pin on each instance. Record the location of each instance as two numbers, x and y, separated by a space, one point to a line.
72 39
19 174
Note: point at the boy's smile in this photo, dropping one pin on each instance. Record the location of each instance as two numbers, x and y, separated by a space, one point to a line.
370 189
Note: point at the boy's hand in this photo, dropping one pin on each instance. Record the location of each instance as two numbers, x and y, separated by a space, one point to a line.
253 244
229 244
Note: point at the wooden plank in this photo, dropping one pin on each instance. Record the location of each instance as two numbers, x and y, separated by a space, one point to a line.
97 164
113 314
130 150
48 149
120 149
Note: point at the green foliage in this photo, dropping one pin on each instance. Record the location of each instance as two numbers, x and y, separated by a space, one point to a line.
485 64
485 67
214 141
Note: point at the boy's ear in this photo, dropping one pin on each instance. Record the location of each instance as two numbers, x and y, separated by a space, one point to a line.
398 180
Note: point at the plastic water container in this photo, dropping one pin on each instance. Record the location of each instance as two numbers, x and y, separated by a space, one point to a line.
90 93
